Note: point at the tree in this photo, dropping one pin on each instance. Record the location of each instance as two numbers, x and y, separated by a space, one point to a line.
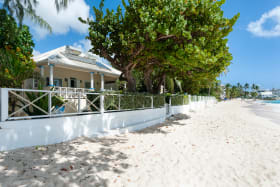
228 90
163 38
20 9
15 52
246 87
257 88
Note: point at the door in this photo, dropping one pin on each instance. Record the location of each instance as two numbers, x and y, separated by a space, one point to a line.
73 82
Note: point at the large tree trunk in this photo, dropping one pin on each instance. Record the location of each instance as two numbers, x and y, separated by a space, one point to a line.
131 83
160 83
148 81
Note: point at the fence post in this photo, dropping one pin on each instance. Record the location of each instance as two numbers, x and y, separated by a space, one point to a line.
79 102
102 103
4 104
152 102
119 102
50 103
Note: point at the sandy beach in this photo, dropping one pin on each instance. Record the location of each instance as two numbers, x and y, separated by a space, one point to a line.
226 145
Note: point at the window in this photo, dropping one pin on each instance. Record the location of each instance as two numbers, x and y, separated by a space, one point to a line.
47 81
57 82
35 83
87 85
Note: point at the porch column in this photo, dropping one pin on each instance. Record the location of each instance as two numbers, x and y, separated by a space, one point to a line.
42 71
51 75
102 82
92 80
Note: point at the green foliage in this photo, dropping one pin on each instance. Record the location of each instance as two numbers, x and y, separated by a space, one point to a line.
184 40
42 103
130 101
94 100
16 50
26 8
178 100
159 101
235 91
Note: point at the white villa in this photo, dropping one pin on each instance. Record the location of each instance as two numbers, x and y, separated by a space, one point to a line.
67 67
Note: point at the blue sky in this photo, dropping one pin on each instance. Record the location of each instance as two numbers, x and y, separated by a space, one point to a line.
254 43
256 52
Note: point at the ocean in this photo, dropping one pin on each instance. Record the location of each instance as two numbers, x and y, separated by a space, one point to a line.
273 102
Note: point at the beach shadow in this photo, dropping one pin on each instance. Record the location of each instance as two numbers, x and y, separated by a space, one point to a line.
64 164
173 120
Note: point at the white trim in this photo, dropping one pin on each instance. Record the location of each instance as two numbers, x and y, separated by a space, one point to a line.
102 82
51 75
83 61
92 80
4 104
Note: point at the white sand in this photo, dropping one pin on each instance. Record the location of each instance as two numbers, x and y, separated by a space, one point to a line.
227 145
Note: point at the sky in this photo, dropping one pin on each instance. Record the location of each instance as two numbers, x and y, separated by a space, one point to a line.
254 42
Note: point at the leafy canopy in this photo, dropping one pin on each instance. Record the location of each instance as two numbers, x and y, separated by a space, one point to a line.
175 38
16 47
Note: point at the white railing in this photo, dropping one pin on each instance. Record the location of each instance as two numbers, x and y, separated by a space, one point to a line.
68 92
31 104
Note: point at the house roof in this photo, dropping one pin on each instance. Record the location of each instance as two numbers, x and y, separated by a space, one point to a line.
70 57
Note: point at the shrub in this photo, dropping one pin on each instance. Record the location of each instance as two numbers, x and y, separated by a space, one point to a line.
127 101
43 103
178 100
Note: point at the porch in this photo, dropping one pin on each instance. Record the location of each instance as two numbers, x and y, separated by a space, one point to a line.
67 68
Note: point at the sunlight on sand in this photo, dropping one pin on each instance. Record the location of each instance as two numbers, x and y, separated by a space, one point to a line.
226 145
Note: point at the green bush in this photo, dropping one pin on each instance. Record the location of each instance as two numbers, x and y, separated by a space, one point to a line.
43 103
178 100
159 101
127 101
91 98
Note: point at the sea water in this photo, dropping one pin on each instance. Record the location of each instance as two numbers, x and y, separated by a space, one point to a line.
273 102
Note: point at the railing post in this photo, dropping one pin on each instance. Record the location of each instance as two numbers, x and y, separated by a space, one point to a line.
4 104
102 103
50 103
79 102
119 102
152 102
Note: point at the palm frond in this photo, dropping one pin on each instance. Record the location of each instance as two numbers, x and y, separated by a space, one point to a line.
22 8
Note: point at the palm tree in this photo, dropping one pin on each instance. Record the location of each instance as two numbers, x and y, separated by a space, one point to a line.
253 87
257 88
228 90
240 89
22 8
234 92
246 87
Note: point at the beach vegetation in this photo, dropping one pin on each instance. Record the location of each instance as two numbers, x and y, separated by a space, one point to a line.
16 64
166 41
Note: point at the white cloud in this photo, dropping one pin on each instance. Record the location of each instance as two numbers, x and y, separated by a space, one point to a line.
83 45
62 21
257 27
35 53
